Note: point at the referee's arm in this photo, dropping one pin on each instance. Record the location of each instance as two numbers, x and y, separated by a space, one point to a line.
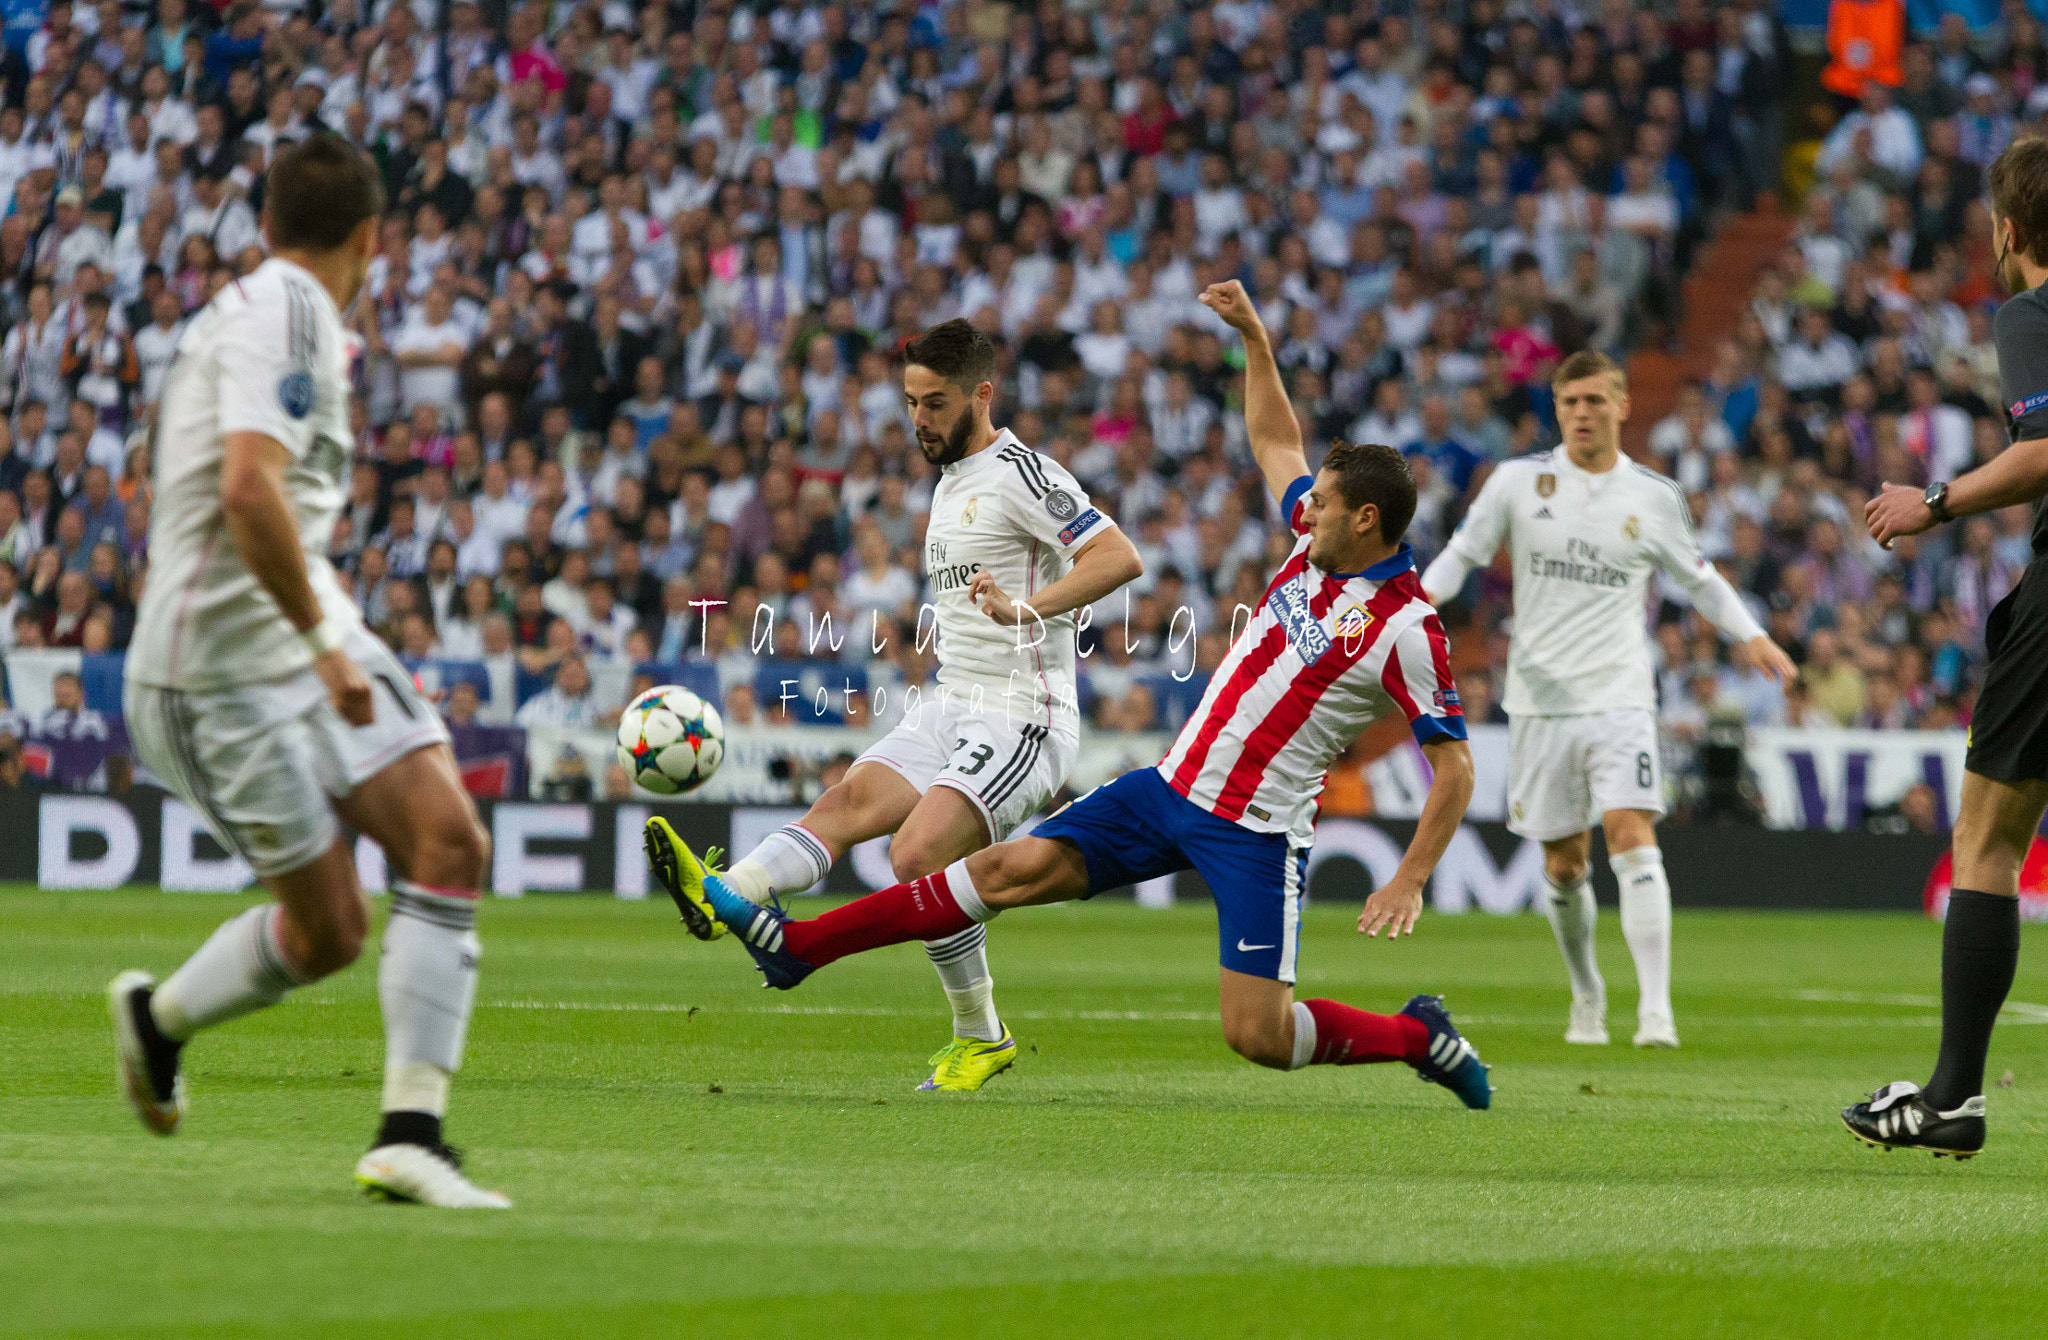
2018 474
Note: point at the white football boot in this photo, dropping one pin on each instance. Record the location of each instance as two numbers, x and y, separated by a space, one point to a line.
1656 1030
1588 1027
424 1176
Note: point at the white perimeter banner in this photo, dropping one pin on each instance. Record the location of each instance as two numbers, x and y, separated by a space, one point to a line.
1811 779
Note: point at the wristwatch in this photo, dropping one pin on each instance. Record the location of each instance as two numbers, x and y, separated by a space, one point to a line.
1936 499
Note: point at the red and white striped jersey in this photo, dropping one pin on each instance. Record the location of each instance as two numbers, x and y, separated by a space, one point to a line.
1325 655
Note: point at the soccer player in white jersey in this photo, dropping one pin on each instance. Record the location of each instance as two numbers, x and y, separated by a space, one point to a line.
1341 638
1586 528
258 696
1012 550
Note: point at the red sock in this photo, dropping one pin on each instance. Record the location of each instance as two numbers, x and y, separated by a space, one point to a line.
923 909
1349 1036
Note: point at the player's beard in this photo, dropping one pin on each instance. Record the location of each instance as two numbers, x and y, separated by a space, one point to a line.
953 446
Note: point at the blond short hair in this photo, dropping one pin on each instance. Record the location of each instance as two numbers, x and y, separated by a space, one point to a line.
1589 363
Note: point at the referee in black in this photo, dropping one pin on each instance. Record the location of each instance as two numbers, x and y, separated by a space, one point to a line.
2005 782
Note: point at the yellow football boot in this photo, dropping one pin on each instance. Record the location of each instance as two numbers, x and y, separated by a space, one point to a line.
683 875
965 1064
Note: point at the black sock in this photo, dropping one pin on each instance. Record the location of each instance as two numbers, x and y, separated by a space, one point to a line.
409 1128
1980 948
160 1054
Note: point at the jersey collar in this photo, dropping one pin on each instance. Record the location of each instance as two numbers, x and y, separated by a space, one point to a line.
1562 459
325 299
1003 438
1393 565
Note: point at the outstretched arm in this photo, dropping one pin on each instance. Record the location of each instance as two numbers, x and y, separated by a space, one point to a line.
1268 417
1717 601
1474 543
1397 904
2016 475
1720 606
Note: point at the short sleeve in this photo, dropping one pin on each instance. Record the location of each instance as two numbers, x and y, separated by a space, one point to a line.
268 375
1050 503
1290 503
1417 676
2020 331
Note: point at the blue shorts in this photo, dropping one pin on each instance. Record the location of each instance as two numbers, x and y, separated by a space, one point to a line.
1138 827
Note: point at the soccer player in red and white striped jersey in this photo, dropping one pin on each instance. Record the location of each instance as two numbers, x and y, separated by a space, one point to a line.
1342 637
1327 653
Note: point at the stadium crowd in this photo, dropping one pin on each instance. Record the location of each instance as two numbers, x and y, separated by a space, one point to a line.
627 407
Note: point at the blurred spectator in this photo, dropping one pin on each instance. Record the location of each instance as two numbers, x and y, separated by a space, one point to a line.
569 701
626 367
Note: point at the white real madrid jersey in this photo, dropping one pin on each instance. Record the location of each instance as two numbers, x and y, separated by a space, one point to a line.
268 355
1584 546
1013 512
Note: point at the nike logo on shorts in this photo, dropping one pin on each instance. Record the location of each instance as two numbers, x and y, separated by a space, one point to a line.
1244 948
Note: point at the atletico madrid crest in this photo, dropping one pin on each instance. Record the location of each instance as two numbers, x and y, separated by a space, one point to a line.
1353 622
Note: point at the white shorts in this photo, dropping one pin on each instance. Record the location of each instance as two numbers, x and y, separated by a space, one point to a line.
1565 772
263 763
1009 768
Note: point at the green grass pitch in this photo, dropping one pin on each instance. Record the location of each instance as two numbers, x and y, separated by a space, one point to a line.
693 1156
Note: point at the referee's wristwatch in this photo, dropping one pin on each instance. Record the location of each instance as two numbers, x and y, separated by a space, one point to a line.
1936 499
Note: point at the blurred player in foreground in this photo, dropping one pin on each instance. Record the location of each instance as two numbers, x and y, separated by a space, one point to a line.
258 696
1342 637
1013 549
1587 527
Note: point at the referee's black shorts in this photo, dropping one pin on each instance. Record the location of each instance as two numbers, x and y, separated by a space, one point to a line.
2009 729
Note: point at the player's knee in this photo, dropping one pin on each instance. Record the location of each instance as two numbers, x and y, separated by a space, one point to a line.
1259 1041
912 858
1564 869
1985 853
844 798
1009 873
333 942
455 851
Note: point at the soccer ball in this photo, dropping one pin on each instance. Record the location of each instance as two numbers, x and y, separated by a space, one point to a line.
670 740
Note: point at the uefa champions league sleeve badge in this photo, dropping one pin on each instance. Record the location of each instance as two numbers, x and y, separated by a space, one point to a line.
295 393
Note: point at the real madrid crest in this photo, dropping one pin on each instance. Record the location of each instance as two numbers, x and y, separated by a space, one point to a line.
967 512
1546 485
1632 528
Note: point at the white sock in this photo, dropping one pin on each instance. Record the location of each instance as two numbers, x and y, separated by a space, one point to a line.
961 885
240 969
1573 913
789 860
962 962
427 984
1304 1036
1646 924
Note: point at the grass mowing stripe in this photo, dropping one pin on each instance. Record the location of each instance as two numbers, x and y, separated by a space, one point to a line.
764 1166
